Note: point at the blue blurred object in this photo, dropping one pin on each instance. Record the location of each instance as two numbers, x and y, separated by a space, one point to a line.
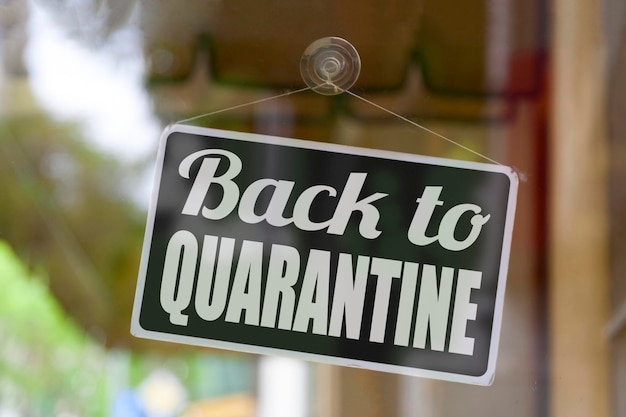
126 404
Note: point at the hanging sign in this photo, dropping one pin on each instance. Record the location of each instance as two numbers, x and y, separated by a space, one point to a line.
349 256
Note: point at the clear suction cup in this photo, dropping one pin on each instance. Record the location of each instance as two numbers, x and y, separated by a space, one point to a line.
330 65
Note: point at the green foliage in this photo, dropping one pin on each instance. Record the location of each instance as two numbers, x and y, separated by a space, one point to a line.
46 361
66 208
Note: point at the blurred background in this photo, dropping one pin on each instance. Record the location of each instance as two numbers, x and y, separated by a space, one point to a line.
86 87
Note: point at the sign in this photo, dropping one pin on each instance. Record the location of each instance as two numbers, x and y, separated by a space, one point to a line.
349 256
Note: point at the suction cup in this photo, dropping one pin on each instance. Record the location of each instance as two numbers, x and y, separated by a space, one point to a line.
330 65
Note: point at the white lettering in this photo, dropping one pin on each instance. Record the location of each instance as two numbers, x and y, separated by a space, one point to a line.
349 296
282 275
424 212
349 203
451 219
182 251
272 301
301 210
206 177
274 212
433 308
246 291
211 297
385 270
464 311
313 302
406 303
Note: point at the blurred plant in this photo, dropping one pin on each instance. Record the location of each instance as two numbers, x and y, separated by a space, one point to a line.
65 209
48 366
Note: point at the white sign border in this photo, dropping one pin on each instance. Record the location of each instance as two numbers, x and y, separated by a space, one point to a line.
485 379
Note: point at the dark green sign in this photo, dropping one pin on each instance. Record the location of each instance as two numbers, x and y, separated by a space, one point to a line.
356 257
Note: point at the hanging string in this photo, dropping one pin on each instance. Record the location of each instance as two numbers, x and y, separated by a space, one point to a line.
251 103
371 103
411 122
